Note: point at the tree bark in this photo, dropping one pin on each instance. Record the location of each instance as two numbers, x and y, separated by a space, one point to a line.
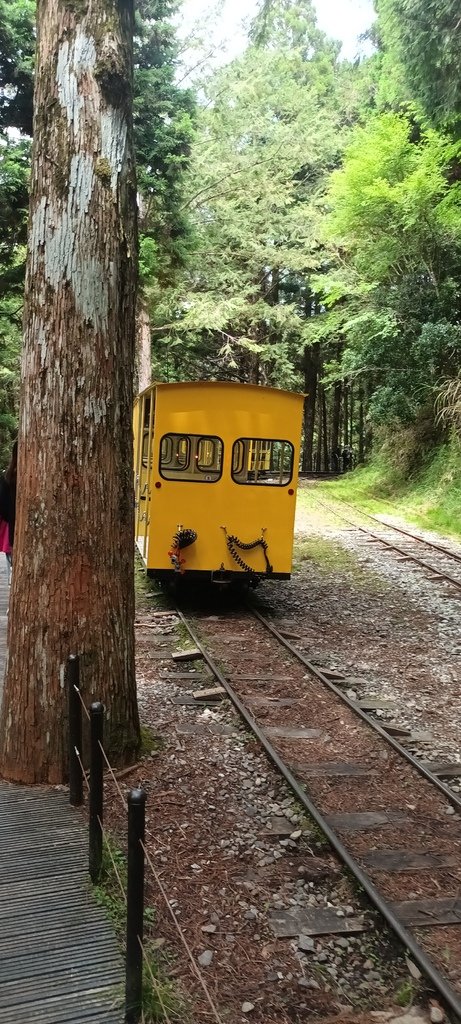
318 453
335 424
73 589
143 349
361 426
311 370
346 414
326 459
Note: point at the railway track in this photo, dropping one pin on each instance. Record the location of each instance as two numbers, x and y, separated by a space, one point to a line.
391 820
435 573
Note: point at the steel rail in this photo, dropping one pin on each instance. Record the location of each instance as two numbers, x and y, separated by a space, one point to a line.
398 529
371 722
447 993
392 547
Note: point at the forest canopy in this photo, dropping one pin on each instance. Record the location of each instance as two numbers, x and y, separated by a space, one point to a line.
299 213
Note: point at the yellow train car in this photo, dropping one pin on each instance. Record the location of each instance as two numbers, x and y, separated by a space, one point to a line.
216 473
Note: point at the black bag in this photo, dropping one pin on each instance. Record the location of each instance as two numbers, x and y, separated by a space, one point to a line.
5 504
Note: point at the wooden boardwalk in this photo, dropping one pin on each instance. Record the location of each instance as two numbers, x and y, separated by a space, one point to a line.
59 961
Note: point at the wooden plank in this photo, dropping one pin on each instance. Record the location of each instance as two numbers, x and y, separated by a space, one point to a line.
330 673
365 820
255 655
271 702
376 704
315 921
333 768
157 655
448 770
185 701
155 625
191 655
59 955
233 637
394 729
261 678
289 732
418 737
214 693
193 676
404 860
428 913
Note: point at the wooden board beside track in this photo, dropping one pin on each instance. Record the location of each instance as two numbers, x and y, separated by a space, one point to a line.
59 959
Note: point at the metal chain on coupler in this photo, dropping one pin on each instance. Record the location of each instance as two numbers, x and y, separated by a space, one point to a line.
233 542
182 539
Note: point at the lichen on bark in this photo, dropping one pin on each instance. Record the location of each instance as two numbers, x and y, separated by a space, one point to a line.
103 170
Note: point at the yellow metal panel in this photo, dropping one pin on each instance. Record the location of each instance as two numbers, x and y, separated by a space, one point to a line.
229 411
140 523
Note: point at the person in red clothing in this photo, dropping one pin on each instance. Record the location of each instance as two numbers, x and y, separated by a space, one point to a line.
5 542
8 481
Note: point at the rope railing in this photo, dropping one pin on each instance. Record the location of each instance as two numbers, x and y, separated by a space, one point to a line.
138 854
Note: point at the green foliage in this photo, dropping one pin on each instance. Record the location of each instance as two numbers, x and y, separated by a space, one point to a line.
298 205
421 38
17 46
108 892
16 84
267 135
392 289
14 177
159 998
282 24
386 198
164 124
426 491
14 196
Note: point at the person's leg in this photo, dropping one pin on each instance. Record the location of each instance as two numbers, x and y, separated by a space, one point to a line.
9 558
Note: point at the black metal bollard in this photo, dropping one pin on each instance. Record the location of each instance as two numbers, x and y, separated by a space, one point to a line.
75 730
135 905
96 790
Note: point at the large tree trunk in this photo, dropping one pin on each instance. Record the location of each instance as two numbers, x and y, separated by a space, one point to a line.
326 460
73 585
361 427
311 370
318 453
346 414
335 425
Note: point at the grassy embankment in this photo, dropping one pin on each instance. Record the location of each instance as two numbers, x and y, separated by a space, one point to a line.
431 499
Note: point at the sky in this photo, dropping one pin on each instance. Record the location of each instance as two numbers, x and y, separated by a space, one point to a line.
344 20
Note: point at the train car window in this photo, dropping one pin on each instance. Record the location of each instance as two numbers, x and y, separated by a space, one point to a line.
145 445
191 457
146 413
238 457
209 454
166 452
262 461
